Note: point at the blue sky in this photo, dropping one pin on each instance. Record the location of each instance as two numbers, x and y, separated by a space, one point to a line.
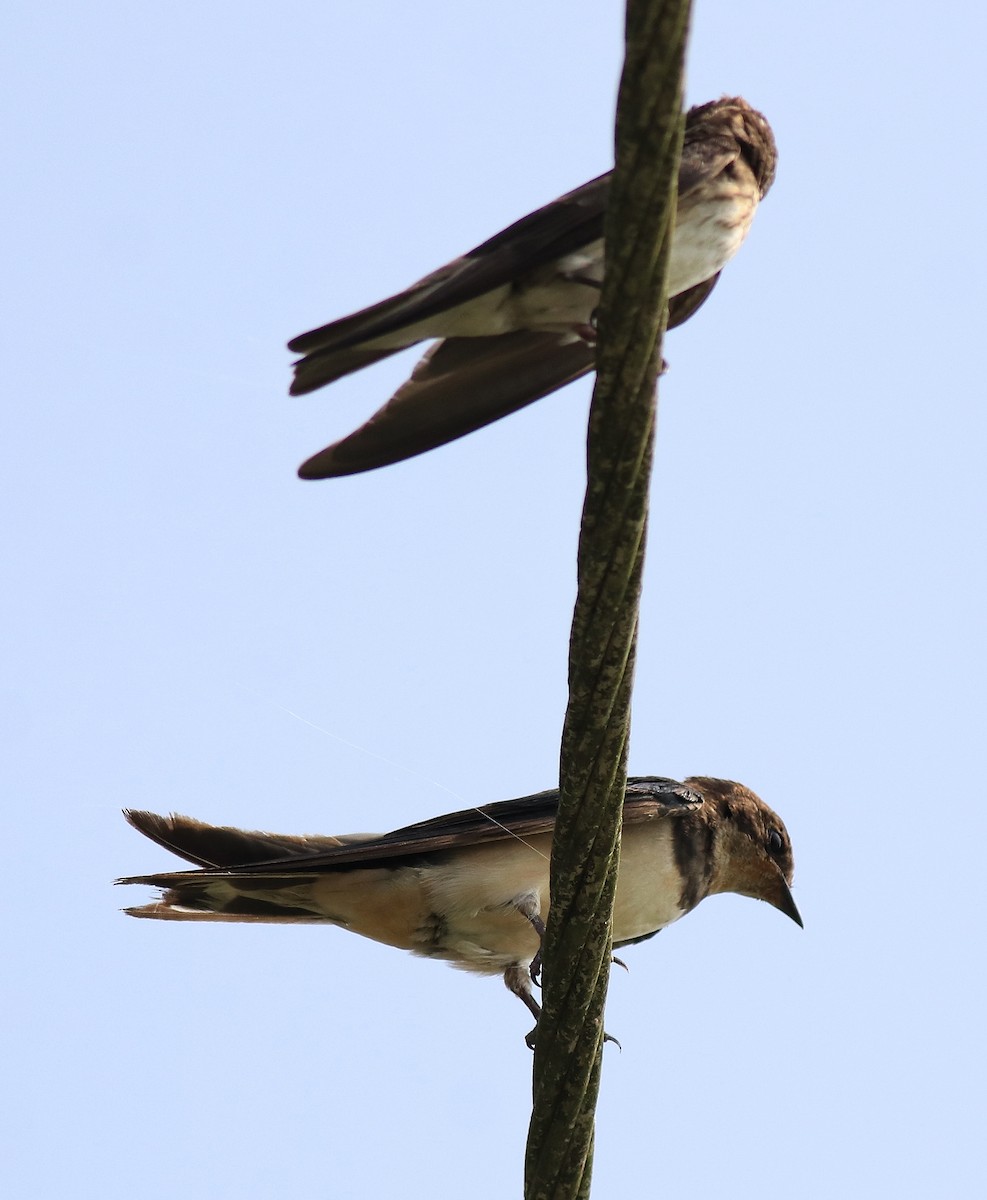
191 628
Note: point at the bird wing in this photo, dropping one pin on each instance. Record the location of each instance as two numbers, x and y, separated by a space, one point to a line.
682 306
497 375
225 851
567 224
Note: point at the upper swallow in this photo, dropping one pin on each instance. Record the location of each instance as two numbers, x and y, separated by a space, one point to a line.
472 887
515 315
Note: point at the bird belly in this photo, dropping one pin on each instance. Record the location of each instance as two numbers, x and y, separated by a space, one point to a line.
460 908
476 890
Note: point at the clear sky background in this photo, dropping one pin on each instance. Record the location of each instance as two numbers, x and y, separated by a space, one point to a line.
189 627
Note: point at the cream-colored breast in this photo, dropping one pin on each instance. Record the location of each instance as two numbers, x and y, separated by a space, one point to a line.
707 236
649 886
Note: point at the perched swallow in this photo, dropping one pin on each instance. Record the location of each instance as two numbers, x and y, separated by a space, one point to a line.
472 887
516 315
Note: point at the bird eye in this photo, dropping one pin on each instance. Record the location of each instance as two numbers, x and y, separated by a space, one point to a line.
775 841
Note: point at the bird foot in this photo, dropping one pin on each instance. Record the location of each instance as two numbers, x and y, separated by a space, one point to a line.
532 1037
535 969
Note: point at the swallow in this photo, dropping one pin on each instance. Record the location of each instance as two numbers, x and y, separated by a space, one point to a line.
472 888
515 317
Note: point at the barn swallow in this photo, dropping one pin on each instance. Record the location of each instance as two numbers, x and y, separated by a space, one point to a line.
472 887
515 316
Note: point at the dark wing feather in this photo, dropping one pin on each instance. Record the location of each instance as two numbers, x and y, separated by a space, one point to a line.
685 304
319 369
459 386
647 798
567 224
223 846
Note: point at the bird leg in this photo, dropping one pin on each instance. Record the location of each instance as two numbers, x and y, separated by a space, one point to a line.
529 908
519 980
588 331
